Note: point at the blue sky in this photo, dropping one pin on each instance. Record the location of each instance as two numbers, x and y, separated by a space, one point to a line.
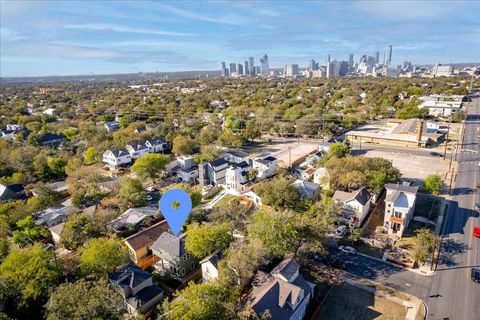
40 38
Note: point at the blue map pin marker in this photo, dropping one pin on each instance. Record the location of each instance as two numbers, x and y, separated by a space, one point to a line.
175 216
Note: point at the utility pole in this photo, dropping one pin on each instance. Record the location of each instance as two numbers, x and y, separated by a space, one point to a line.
289 158
446 138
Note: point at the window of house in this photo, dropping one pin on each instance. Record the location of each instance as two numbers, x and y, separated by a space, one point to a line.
182 272
206 269
398 214
192 265
389 205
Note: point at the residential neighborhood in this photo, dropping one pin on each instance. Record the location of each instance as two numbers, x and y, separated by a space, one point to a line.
247 160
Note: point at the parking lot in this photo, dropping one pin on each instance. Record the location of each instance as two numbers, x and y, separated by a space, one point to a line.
413 167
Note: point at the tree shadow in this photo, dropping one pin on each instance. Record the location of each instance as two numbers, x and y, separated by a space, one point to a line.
450 249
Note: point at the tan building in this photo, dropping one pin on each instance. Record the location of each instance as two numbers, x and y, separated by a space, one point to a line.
412 133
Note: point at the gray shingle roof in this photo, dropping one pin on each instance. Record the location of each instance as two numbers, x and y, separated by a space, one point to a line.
170 244
401 187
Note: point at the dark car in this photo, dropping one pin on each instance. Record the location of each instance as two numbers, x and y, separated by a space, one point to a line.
476 275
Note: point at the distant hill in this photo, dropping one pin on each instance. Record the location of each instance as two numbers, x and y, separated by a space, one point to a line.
113 77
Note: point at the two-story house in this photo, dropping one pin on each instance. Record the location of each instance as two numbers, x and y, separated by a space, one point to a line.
235 156
187 169
321 176
308 190
136 149
137 289
115 159
111 126
138 244
156 144
12 192
172 258
236 176
265 166
213 172
283 293
399 208
356 205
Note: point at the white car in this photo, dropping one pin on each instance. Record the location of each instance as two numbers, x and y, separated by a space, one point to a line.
347 250
341 231
150 189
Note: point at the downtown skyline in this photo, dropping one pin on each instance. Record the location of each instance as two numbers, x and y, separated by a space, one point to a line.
62 38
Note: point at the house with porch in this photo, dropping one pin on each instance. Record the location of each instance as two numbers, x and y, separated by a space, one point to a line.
171 257
138 244
356 205
136 286
400 202
265 166
115 159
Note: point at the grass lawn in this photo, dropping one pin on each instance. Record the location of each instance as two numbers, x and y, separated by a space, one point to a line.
347 302
407 241
226 199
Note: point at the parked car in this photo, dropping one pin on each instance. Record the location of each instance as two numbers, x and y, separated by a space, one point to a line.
149 198
477 205
341 231
347 250
476 232
150 189
476 275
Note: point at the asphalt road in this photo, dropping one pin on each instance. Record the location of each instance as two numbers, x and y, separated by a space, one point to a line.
456 296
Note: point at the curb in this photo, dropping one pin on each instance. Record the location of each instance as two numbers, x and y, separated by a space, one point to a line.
397 265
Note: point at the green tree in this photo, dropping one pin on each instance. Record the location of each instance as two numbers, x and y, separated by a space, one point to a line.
90 156
233 213
204 239
150 166
29 232
433 184
203 301
241 262
28 274
426 241
85 300
80 228
183 146
101 256
131 193
279 193
339 150
194 192
57 166
275 229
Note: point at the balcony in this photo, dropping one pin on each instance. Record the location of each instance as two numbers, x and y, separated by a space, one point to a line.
396 220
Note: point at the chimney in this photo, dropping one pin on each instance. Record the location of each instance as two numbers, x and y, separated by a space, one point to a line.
419 130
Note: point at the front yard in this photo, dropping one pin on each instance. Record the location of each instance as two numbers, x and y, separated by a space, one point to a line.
348 302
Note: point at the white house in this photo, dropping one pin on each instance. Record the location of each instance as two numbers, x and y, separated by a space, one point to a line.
111 126
156 145
187 169
321 176
136 149
56 232
210 267
252 196
399 208
308 190
236 176
115 159
235 156
356 204
265 166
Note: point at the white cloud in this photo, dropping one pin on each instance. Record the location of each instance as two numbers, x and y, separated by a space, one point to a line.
221 19
117 28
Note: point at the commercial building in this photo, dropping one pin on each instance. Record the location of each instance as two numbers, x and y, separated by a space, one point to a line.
252 66
291 70
412 133
439 70
441 105
264 67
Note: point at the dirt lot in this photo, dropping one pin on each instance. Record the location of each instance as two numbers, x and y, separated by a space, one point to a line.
347 302
280 148
412 167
